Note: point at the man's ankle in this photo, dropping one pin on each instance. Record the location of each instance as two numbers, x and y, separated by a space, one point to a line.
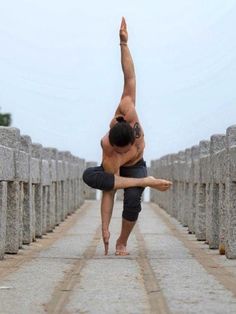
120 242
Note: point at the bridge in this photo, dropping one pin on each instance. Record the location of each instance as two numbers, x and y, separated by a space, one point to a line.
182 251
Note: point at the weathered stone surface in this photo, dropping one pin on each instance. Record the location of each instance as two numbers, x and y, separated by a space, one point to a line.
193 184
203 194
38 188
231 193
3 213
90 194
13 227
200 219
7 164
212 214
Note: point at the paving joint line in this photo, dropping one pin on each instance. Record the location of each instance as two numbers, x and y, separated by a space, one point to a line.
157 301
60 296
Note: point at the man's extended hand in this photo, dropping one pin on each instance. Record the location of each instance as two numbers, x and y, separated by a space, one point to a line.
123 31
106 237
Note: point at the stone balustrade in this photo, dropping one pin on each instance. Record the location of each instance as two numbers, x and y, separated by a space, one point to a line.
203 195
39 187
90 194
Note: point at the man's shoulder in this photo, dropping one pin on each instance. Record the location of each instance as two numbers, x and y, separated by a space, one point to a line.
106 146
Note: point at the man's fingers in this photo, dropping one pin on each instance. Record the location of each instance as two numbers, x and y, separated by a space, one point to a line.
123 24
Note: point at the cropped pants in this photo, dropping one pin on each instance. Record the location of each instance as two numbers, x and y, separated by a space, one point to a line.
97 178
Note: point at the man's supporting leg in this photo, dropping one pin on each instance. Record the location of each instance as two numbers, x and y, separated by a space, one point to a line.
121 242
106 213
131 210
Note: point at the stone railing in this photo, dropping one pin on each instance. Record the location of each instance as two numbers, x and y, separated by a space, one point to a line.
203 195
39 187
90 194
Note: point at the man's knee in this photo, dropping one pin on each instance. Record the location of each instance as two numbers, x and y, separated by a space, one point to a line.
88 177
96 178
130 214
132 203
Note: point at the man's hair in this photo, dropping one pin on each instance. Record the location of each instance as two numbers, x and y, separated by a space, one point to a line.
121 134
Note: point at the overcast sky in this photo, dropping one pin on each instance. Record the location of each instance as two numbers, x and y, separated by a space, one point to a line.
60 73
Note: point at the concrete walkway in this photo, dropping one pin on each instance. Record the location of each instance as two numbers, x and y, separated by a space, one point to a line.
167 271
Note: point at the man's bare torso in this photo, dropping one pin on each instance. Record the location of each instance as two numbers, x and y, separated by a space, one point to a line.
134 154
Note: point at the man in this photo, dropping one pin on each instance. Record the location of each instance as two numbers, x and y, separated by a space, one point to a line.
123 166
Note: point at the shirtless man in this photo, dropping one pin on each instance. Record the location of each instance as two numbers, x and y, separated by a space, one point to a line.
122 165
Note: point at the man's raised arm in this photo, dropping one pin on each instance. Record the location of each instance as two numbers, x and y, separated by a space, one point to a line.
127 64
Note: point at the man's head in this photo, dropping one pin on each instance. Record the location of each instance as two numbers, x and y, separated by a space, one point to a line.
121 136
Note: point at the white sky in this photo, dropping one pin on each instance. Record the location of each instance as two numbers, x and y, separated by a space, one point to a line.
60 73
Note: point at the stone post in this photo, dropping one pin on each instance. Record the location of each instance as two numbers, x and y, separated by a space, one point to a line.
61 181
152 172
186 197
180 175
36 172
10 139
90 194
23 174
230 243
55 186
3 213
200 219
82 184
48 192
194 181
212 215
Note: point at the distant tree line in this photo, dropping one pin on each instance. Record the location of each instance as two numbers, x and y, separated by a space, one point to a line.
5 119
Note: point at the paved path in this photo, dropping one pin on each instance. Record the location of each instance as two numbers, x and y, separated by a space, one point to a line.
168 271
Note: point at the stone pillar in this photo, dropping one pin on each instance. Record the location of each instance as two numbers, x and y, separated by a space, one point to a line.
212 215
194 181
90 194
230 243
13 217
186 197
74 184
23 174
3 213
10 140
63 174
68 182
77 178
180 174
200 219
82 184
55 186
120 195
171 168
49 193
60 191
168 169
152 172
36 172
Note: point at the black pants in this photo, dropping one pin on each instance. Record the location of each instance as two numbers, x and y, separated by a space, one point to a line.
97 178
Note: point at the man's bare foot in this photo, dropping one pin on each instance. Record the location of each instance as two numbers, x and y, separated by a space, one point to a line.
121 249
159 184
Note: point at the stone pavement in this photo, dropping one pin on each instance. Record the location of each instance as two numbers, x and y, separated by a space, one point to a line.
167 271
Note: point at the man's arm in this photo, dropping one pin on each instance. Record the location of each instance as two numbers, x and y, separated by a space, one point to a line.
110 165
129 91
